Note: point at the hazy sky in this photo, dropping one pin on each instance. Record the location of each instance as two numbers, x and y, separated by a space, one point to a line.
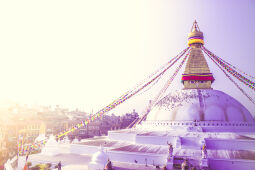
87 53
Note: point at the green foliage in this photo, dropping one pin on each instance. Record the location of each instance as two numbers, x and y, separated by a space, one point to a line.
41 167
34 168
29 164
48 165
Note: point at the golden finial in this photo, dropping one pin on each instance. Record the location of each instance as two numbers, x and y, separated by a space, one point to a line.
195 27
196 36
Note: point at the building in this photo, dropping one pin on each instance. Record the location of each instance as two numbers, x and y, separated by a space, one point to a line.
3 149
196 127
100 127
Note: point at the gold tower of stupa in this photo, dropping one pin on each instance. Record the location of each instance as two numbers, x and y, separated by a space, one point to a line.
197 74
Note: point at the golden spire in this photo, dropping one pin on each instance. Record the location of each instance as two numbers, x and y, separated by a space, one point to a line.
197 73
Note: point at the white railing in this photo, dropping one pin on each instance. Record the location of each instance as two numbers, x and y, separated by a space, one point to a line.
198 123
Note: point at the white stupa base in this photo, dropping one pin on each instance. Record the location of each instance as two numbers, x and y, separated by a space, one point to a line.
98 160
170 163
178 142
51 150
204 163
51 147
96 166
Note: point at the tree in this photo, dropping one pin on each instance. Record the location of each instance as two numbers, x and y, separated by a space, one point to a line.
41 167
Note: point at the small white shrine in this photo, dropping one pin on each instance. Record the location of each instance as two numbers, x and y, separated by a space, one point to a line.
51 147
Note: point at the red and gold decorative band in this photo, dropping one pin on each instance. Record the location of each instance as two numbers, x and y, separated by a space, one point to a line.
200 77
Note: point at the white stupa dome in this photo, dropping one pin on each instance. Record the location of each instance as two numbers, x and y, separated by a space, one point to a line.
39 138
51 147
99 160
52 141
65 140
201 105
75 141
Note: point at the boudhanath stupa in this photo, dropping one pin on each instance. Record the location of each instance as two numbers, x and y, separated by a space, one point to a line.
197 127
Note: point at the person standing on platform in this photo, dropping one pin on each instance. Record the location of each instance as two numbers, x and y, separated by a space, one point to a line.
59 165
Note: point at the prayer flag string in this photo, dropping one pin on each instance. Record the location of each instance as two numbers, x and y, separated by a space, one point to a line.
163 90
244 93
37 145
230 70
253 77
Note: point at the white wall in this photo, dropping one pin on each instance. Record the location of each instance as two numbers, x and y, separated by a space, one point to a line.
155 140
222 164
158 159
83 149
230 144
207 126
129 137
